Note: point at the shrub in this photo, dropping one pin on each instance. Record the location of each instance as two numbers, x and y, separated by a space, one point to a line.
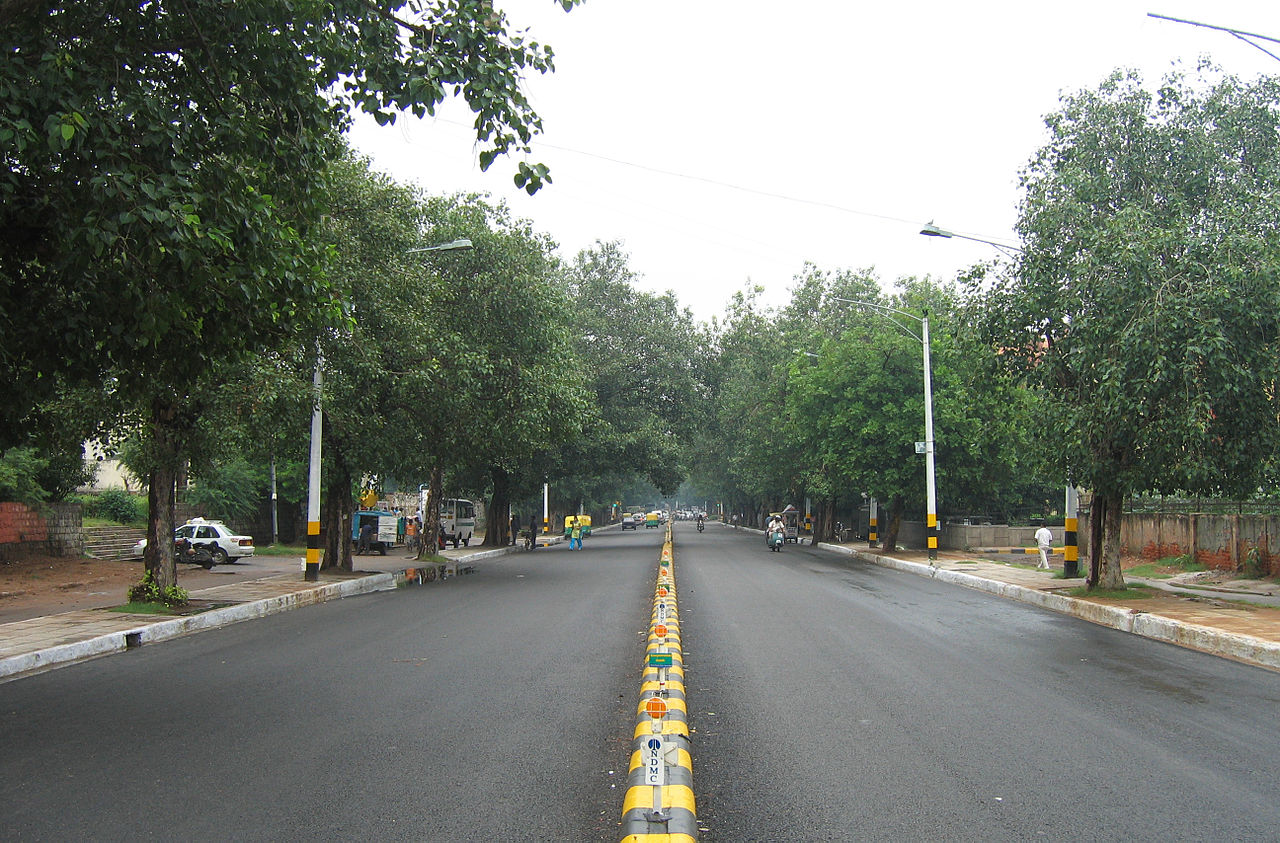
19 476
118 505
148 591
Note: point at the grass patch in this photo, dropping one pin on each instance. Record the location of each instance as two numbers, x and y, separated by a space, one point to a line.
280 550
1133 592
134 608
96 521
192 607
1166 567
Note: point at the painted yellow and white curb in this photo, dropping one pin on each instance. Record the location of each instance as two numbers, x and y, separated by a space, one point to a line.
659 805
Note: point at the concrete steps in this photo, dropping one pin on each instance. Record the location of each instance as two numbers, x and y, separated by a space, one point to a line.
112 542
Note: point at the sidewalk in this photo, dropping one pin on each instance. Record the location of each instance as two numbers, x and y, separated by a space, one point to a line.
43 643
1240 621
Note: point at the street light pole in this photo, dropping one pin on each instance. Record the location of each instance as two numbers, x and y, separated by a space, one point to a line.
311 568
931 526
311 571
931 493
1070 537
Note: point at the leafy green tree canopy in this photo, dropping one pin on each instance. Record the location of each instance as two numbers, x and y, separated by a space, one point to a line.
161 164
1146 307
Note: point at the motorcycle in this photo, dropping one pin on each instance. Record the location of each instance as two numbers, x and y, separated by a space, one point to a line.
194 554
775 539
701 527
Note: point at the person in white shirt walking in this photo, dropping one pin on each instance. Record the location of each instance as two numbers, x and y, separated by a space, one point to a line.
1044 538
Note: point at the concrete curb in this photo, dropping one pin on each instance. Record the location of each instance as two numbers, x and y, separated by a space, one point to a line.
162 630
1244 648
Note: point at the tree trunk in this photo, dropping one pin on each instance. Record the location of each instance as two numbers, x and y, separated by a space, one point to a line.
497 531
1104 550
431 529
891 523
158 557
1097 519
337 509
823 521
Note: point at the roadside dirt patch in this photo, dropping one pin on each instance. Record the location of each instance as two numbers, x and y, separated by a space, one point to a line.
45 585
36 586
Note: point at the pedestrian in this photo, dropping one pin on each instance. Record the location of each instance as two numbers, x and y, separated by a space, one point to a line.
533 532
515 527
575 533
367 529
411 528
1044 539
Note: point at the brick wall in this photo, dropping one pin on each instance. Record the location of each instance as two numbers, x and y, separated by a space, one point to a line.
53 529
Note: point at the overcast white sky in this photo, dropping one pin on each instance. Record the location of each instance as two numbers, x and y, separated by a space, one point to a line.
678 128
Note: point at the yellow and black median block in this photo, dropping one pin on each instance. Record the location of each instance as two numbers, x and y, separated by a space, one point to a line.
659 803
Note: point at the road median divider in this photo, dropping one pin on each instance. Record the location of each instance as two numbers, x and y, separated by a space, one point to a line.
659 803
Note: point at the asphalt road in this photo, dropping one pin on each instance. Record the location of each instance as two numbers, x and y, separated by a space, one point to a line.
831 700
835 700
495 706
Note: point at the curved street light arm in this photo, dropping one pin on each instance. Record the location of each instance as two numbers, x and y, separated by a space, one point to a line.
887 310
931 230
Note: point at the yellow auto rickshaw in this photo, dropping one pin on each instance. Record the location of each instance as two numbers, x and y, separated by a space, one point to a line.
651 519
584 520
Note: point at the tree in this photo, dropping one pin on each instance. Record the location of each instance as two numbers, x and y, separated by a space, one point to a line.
514 388
758 465
824 399
162 176
635 354
1144 308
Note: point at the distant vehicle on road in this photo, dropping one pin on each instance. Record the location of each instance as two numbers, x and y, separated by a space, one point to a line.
458 521
630 520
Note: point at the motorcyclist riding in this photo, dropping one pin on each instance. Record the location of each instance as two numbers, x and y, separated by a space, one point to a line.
775 528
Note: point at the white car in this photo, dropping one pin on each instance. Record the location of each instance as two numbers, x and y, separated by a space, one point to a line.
214 535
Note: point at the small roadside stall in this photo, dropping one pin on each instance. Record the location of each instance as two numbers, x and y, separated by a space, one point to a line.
385 529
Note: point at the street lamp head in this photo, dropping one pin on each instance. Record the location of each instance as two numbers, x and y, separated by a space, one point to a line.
451 246
932 230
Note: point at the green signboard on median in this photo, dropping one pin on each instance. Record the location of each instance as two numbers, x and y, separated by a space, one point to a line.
660 660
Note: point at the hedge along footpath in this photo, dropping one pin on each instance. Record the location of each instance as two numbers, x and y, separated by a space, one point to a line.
659 804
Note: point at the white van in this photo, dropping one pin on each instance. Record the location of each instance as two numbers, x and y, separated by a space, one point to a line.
458 520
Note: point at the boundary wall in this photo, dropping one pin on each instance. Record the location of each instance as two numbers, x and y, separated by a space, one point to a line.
52 529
